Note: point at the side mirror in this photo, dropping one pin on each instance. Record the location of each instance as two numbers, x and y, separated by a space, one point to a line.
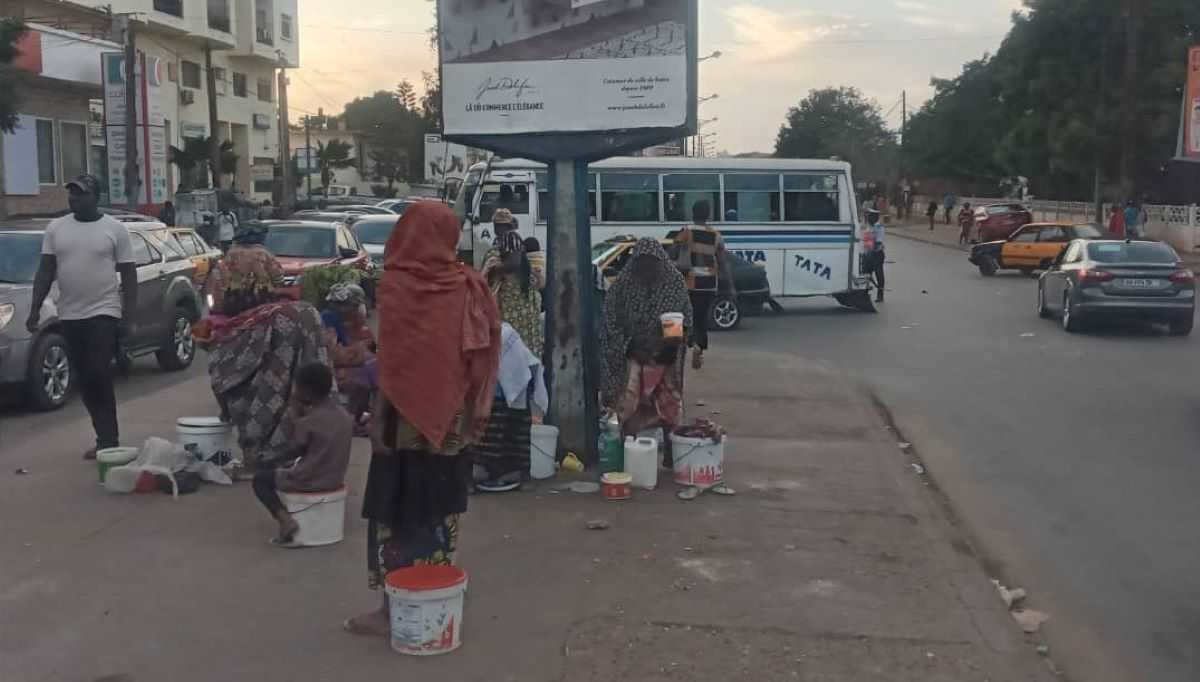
348 253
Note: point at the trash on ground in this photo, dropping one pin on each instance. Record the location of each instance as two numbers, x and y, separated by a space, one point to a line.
1028 335
918 468
904 446
1043 650
598 524
1010 597
924 291
22 472
585 487
1030 620
681 585
700 403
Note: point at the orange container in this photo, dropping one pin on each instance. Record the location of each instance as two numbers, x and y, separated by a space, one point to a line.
616 485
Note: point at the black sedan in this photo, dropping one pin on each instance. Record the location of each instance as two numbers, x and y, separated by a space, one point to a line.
1108 279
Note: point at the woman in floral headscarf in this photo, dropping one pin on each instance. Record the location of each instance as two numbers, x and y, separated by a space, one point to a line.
351 348
516 287
247 275
643 370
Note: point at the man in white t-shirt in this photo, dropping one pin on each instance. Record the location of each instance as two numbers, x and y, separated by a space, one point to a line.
85 252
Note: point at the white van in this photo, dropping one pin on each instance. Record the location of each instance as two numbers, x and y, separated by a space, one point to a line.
795 217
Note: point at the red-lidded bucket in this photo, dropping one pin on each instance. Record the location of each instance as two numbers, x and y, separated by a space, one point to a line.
425 604
616 485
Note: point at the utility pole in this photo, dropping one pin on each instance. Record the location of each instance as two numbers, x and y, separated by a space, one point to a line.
287 196
903 128
1131 14
307 158
132 184
214 144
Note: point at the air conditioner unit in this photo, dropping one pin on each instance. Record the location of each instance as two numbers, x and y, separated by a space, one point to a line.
187 96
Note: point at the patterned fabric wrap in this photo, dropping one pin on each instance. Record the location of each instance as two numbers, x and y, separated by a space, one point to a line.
252 367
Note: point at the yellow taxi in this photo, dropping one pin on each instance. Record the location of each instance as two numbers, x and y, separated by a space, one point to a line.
1032 247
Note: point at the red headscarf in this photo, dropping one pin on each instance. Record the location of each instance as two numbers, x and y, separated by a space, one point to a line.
439 327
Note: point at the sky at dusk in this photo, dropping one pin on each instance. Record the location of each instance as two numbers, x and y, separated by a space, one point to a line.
773 53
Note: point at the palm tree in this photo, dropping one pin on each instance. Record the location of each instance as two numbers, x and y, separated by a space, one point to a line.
194 156
330 157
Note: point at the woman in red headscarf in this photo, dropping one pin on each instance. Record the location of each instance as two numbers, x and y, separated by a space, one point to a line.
439 353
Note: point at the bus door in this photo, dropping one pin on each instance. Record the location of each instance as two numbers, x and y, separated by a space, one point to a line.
503 189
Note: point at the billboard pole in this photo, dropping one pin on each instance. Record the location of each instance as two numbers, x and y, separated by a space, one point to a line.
571 335
131 161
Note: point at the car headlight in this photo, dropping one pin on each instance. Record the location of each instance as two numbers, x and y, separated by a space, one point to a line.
7 310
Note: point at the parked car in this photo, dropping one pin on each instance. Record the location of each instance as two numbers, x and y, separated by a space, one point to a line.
330 216
1032 247
38 364
1110 279
301 245
373 232
754 291
396 206
998 221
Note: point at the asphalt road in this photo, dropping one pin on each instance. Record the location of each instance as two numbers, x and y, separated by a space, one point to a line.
1070 458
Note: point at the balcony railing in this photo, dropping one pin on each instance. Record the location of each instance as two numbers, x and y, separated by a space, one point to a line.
172 7
264 36
219 24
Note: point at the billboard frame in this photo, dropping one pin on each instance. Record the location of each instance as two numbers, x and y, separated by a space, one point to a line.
586 145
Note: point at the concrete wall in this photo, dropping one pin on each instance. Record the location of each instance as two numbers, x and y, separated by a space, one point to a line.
47 102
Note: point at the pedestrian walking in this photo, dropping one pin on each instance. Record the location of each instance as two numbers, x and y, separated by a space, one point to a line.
439 358
1133 220
227 226
166 215
643 365
84 252
948 203
931 213
700 255
966 223
1116 222
878 232
320 437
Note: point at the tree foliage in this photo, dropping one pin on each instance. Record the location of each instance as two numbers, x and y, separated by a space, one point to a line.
11 30
192 159
331 157
1048 105
838 122
394 131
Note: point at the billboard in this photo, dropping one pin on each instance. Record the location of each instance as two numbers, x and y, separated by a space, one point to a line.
1191 112
151 142
513 67
447 159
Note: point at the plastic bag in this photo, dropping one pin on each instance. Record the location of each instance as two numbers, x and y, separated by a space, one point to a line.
158 456
210 472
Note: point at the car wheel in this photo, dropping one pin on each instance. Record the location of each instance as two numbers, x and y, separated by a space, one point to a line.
1183 325
1028 272
180 348
988 266
1043 311
725 315
51 377
1070 319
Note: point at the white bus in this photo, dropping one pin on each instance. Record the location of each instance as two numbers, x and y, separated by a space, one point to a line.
797 218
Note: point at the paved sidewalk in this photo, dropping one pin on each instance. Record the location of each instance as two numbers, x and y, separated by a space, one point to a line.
918 230
835 562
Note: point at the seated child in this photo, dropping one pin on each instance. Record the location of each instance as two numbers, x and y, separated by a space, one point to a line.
321 438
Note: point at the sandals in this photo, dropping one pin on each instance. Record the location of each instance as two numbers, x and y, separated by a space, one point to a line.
352 626
496 486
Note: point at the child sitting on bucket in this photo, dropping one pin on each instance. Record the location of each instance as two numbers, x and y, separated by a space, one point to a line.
320 437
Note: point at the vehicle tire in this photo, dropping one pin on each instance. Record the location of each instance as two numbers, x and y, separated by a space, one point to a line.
180 348
724 315
1028 272
1042 310
988 266
1183 326
1070 320
51 378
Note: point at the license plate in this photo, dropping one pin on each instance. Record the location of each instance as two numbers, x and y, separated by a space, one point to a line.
1139 283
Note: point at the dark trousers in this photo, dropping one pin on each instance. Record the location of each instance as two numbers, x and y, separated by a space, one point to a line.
267 492
877 271
701 305
92 344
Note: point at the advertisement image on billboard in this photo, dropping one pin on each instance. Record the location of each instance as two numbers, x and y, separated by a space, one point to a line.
512 67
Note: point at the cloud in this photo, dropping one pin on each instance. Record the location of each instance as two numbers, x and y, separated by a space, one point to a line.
764 35
912 6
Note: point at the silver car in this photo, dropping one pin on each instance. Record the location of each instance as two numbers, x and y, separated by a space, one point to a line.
38 365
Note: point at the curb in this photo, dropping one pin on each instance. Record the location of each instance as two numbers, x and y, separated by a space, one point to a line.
923 240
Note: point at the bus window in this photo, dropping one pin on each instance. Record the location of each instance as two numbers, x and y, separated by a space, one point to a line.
543 190
682 192
752 198
471 186
513 196
629 197
810 198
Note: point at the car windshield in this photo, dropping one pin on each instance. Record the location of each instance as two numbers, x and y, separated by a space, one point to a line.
19 256
1088 231
374 231
1132 252
996 210
298 241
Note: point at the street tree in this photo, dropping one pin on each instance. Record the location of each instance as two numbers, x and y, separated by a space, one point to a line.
11 30
407 94
193 159
839 122
331 157
394 134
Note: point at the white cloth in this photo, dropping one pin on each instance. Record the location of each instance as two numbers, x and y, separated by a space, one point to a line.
519 368
87 255
227 224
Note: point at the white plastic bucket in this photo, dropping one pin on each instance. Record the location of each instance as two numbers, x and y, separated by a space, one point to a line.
699 462
208 437
543 451
110 458
322 516
425 605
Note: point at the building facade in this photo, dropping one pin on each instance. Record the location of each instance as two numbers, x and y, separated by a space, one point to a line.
60 131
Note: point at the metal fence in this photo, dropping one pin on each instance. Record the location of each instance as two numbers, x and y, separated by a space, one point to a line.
1177 225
